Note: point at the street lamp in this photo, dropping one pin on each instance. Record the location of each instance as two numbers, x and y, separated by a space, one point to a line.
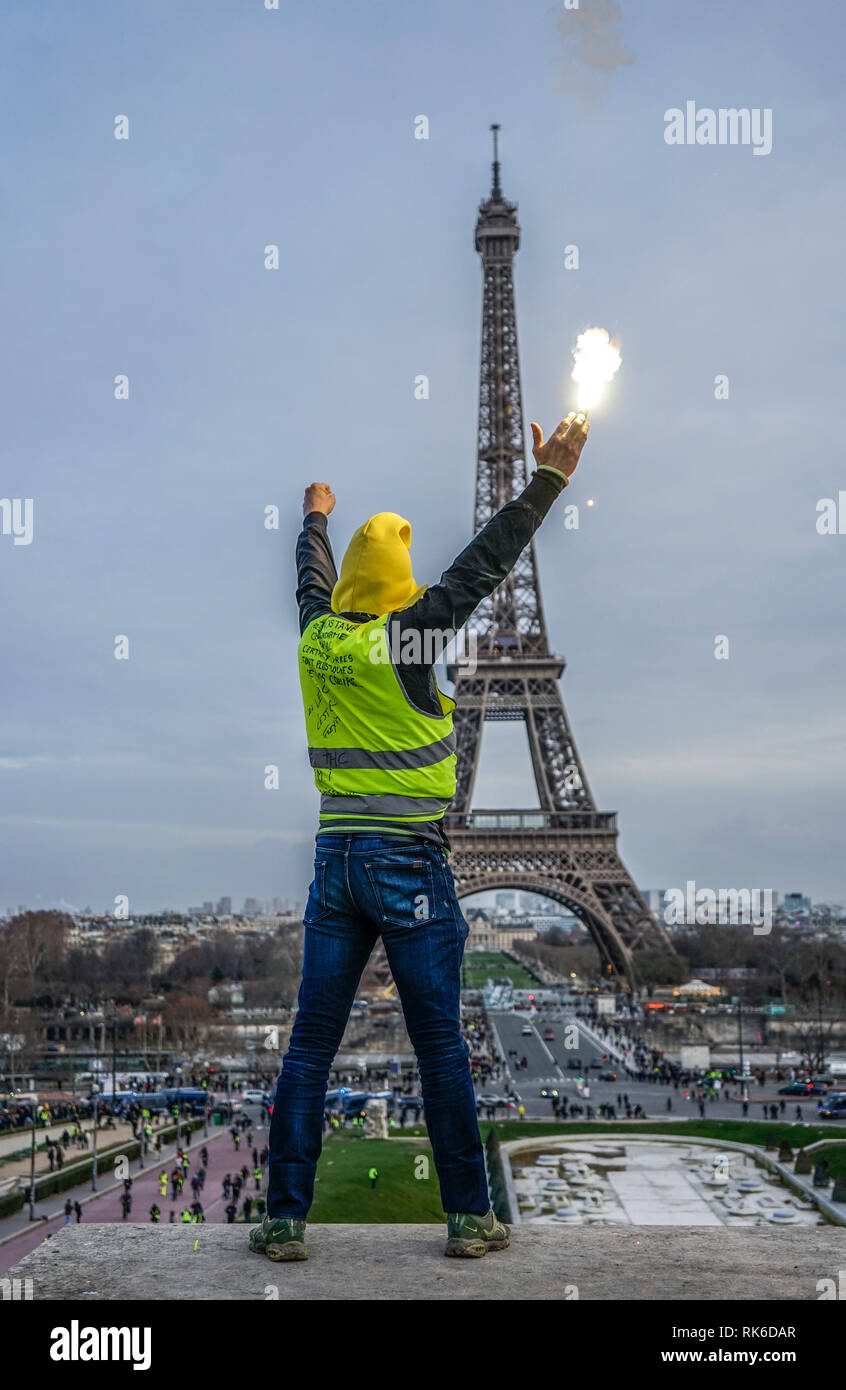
32 1168
740 1034
94 1140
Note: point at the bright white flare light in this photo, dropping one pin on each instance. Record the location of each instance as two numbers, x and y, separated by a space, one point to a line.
595 361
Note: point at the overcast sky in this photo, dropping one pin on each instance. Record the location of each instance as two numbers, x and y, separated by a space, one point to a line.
295 127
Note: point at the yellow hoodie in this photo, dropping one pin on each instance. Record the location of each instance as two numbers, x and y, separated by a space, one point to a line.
376 572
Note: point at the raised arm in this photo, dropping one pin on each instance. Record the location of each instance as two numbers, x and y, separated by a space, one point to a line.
316 573
486 561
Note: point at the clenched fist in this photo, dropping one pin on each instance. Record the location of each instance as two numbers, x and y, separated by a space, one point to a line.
563 447
319 497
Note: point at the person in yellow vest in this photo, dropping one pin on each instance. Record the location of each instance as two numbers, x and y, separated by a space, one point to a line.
382 747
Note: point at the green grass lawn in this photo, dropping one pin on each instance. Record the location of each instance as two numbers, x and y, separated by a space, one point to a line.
480 966
343 1190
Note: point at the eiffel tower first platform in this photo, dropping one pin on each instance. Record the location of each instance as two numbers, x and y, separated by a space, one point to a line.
566 849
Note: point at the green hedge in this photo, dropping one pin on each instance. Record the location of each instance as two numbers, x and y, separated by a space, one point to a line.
10 1203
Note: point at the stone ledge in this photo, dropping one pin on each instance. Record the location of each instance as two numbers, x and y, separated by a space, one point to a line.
406 1263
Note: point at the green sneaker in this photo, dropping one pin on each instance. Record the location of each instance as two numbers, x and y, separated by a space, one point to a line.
471 1236
279 1238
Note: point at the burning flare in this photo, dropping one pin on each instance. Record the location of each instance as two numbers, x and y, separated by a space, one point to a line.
595 361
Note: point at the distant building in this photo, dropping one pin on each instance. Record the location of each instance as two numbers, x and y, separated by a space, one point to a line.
497 936
655 900
507 901
795 904
224 907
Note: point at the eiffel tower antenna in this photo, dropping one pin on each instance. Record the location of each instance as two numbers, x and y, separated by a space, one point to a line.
496 191
565 849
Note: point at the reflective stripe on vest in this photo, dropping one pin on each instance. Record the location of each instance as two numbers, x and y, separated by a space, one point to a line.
388 757
393 806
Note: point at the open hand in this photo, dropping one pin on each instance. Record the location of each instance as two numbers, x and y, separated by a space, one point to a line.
564 446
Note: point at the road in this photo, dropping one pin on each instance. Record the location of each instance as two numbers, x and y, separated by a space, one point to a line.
548 1066
223 1159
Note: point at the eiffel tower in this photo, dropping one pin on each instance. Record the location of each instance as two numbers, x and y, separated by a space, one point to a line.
566 849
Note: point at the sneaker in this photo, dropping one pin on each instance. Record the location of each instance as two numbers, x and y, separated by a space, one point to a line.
471 1236
279 1238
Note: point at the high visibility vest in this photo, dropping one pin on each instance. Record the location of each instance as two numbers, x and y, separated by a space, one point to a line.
373 753
186 1216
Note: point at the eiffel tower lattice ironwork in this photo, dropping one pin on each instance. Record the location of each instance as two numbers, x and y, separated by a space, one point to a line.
566 849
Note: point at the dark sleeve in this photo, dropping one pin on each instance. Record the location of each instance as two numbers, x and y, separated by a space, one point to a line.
316 573
486 561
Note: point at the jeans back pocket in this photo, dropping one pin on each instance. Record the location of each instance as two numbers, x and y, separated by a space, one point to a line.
317 906
403 889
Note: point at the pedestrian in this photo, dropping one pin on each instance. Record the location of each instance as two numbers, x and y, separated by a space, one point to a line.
248 1208
231 1213
257 1176
669 1104
68 1211
185 1216
78 1210
155 1213
126 1205
204 1155
373 1175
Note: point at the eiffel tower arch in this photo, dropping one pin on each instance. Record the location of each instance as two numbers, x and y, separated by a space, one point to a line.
565 849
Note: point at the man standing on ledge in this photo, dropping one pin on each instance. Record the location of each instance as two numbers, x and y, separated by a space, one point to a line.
381 744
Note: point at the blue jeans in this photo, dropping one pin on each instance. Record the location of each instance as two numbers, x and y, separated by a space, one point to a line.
402 889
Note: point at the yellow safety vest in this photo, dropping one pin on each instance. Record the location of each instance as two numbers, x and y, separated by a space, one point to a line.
374 754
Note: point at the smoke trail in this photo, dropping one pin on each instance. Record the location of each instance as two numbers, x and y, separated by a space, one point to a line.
593 46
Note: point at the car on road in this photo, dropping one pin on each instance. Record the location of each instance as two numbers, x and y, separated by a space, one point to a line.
527 1030
608 1076
574 1064
833 1109
549 1092
803 1088
491 1098
253 1097
549 1035
597 1066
